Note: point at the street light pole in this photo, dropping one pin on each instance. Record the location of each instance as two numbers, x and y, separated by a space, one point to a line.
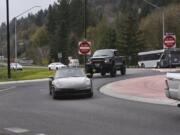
163 17
15 29
8 40
15 39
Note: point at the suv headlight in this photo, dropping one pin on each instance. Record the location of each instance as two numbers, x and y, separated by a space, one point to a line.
107 60
89 61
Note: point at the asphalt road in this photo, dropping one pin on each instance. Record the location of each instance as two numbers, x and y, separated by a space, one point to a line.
29 108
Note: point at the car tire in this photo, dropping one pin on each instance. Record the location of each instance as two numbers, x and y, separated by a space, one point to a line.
49 69
158 65
50 90
54 95
113 72
91 75
103 73
142 65
123 71
91 95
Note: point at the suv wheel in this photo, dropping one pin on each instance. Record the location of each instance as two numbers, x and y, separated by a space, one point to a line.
103 73
113 72
142 65
123 71
158 65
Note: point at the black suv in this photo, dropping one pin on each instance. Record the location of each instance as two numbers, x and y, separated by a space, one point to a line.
106 61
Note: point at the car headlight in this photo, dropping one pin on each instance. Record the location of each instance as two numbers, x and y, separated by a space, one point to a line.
88 82
89 61
107 60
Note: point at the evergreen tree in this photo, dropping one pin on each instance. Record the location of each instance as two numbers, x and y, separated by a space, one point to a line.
62 30
130 39
76 17
109 39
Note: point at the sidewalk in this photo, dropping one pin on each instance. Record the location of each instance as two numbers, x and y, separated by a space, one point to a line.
144 89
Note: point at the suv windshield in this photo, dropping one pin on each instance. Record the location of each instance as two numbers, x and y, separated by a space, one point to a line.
103 53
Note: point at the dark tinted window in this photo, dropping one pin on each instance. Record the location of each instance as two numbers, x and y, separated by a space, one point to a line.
100 53
149 57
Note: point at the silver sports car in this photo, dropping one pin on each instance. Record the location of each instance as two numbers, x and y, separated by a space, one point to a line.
70 82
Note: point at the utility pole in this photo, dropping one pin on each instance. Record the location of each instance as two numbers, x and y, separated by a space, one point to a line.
85 19
8 41
85 29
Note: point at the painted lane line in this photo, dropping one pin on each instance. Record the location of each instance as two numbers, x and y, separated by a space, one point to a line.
17 130
7 89
40 134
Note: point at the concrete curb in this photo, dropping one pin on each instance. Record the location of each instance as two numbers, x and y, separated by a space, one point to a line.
24 81
107 90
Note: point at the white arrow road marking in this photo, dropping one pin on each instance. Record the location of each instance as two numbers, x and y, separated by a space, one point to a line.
7 89
17 130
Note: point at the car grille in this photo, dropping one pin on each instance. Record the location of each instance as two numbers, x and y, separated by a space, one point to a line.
98 60
74 91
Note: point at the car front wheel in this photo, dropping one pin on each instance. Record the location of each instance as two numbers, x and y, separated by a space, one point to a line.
123 71
91 95
54 94
113 72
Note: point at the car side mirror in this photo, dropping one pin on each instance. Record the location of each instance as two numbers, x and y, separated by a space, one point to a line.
51 78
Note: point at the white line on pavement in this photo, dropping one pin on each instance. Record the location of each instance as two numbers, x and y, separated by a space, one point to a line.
17 130
10 88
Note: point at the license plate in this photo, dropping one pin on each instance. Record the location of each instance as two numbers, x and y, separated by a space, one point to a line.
97 65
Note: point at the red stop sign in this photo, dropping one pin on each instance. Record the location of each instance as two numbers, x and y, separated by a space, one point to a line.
84 47
169 41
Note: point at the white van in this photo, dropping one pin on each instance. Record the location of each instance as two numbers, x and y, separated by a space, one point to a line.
73 63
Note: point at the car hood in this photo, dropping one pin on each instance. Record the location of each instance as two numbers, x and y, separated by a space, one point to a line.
72 82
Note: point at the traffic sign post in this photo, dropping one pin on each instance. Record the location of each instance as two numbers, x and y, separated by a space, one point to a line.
60 56
84 48
169 41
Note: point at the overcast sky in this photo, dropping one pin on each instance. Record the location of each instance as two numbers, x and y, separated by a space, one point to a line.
19 6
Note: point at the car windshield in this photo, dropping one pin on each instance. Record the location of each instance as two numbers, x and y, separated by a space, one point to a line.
64 73
103 53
